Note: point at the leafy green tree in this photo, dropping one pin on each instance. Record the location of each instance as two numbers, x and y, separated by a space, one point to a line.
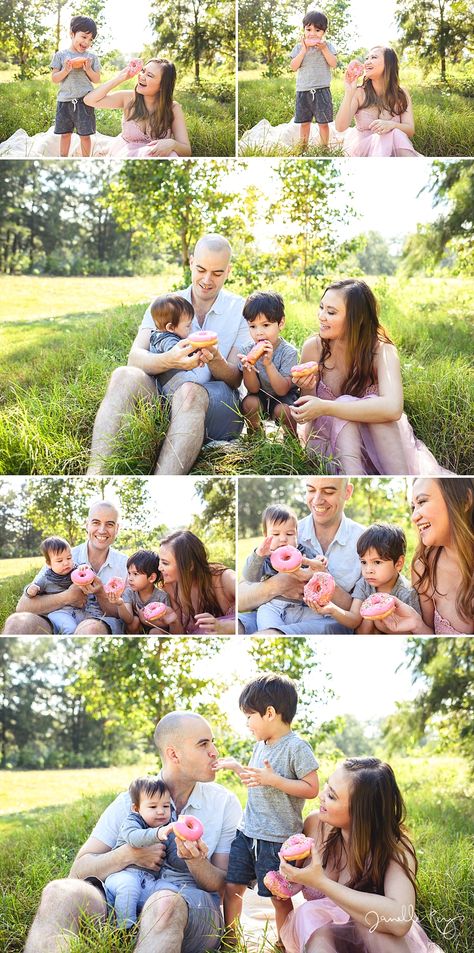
23 34
353 738
450 239
218 515
195 33
255 495
436 30
24 672
375 257
265 32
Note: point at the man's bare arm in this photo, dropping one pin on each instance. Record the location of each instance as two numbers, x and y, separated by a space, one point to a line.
49 602
96 859
178 358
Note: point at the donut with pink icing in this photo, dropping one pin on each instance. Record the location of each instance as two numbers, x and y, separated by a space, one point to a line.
256 352
377 606
200 339
82 576
296 847
116 585
354 70
134 67
312 41
188 827
304 370
154 611
279 886
286 559
320 589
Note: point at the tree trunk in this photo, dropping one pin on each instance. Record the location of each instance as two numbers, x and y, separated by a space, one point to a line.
197 52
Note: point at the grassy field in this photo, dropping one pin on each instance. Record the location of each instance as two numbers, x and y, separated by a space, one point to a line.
54 370
443 119
209 111
47 815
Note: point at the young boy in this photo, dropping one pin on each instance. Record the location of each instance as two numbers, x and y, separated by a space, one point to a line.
312 60
147 823
271 391
381 551
75 82
173 318
143 572
281 775
56 577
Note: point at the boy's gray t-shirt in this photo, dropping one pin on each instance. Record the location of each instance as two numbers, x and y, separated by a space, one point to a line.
272 815
284 358
314 72
136 601
402 590
77 84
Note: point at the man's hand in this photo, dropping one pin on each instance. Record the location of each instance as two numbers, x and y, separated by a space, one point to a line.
191 850
260 777
184 356
76 596
151 857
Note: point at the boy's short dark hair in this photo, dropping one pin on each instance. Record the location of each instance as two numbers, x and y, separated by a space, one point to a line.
169 309
316 18
53 545
82 24
277 514
267 690
147 787
145 560
388 540
268 303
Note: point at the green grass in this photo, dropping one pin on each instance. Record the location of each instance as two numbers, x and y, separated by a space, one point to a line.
24 564
443 119
46 816
54 372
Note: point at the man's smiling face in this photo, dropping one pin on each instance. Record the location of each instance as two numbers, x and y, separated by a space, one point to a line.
209 271
102 526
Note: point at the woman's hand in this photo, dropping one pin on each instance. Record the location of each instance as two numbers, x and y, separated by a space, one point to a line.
205 622
402 621
162 147
381 126
310 876
350 81
306 383
308 408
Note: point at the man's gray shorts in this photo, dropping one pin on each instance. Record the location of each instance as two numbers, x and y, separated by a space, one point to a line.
59 621
224 421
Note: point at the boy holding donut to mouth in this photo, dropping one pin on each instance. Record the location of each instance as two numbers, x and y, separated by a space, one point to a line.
312 60
75 70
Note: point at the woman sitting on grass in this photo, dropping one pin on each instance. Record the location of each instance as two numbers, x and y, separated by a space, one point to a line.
443 513
359 883
201 593
382 110
352 406
153 124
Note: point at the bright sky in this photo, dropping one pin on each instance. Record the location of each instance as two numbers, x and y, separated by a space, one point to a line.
373 21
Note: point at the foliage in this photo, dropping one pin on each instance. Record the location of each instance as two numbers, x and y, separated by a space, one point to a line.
437 30
449 241
446 699
218 517
23 33
201 31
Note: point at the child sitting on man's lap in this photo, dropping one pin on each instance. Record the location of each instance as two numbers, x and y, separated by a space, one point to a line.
53 578
75 83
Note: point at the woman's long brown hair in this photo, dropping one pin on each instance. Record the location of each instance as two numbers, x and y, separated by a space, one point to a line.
377 833
458 494
364 331
394 98
159 122
194 570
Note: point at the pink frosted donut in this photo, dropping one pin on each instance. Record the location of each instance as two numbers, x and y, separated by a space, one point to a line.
286 559
304 370
115 585
312 41
319 589
296 847
201 339
154 610
256 352
377 606
82 576
134 67
188 827
279 886
354 70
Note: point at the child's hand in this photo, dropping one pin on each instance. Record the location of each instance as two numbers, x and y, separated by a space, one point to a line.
32 590
68 66
265 548
267 356
230 764
115 599
328 609
247 366
320 564
259 777
164 831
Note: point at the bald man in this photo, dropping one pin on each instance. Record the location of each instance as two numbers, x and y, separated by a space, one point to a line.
95 614
205 408
183 915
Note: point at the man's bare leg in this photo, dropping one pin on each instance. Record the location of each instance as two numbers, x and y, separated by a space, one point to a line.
185 435
92 627
126 386
27 623
162 924
57 919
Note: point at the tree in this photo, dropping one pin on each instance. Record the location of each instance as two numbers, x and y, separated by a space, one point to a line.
436 29
24 673
196 32
450 239
23 33
265 31
219 512
375 257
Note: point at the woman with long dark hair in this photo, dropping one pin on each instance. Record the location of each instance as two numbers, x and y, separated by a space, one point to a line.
153 123
202 594
381 108
360 880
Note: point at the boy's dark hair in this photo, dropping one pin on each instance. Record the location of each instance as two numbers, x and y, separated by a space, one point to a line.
388 540
53 545
148 787
277 514
145 560
268 303
82 24
316 18
270 689
169 309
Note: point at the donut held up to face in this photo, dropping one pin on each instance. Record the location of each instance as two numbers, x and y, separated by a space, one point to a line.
200 339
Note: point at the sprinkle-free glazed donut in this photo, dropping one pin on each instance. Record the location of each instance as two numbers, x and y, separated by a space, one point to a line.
115 585
134 67
354 70
82 576
256 353
154 610
201 339
319 589
279 886
304 370
286 559
377 606
296 847
188 827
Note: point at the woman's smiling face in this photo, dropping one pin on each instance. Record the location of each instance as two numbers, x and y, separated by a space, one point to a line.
375 63
430 513
334 799
149 79
168 565
332 315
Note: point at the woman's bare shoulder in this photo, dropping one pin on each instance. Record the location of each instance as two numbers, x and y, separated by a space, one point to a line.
312 348
314 826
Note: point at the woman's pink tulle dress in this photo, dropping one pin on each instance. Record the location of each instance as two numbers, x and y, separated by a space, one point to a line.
443 627
133 143
361 141
321 435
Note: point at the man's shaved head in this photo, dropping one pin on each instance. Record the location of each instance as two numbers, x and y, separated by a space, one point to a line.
101 504
174 728
213 243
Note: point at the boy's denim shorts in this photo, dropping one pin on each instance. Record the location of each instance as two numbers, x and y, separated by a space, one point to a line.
250 860
74 115
314 104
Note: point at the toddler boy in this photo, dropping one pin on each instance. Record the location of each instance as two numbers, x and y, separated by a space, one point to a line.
56 577
75 83
312 60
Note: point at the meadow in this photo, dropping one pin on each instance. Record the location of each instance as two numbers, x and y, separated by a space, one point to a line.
46 816
443 116
56 360
209 110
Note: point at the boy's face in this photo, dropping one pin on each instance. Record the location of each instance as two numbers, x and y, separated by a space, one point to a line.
259 725
183 327
155 810
314 33
81 41
62 562
377 571
138 580
261 329
283 534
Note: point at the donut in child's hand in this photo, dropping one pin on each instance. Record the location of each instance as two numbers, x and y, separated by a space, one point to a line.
188 827
256 352
116 585
299 371
296 847
286 559
279 886
79 61
82 576
134 67
377 606
154 611
320 588
312 41
200 339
